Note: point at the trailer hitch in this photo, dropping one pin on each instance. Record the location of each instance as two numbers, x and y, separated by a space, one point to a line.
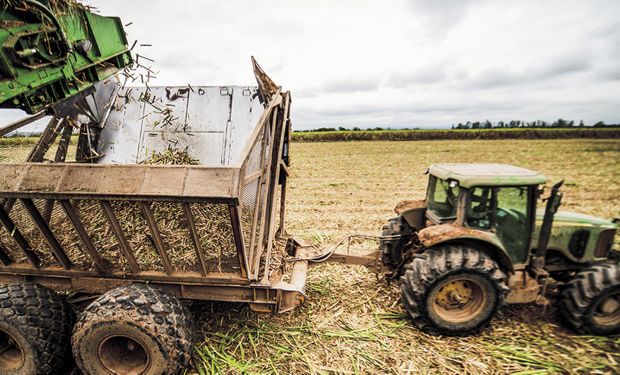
333 254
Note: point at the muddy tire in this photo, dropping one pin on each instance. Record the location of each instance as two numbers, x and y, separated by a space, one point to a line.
452 289
590 303
135 329
35 330
392 250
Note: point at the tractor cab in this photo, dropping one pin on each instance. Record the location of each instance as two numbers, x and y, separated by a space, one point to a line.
500 200
495 198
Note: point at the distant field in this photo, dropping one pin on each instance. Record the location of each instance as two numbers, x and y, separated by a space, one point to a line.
417 135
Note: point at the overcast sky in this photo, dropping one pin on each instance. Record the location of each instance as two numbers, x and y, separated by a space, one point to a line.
398 63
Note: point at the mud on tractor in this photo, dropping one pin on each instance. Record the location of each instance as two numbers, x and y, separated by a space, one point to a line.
478 241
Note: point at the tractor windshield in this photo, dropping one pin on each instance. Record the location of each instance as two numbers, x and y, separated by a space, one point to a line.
442 198
504 211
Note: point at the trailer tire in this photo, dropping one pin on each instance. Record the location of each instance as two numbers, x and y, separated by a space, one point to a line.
584 299
35 330
135 329
453 289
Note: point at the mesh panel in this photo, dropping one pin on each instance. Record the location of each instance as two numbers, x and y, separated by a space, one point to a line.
15 150
65 233
251 195
15 147
216 237
28 229
11 248
138 235
249 205
101 234
175 233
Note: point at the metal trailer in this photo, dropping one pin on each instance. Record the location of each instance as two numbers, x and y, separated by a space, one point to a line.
240 135
86 216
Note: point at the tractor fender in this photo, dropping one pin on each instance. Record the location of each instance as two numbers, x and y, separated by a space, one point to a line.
487 242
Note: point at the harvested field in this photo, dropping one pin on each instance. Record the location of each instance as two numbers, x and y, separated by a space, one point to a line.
354 324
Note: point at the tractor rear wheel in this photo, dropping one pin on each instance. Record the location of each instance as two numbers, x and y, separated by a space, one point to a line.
397 235
590 303
453 289
35 330
135 329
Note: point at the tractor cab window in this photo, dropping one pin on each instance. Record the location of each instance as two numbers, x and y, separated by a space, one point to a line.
442 198
504 211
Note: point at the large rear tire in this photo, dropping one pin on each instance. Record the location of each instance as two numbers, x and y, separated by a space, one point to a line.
590 303
453 289
135 329
397 240
35 330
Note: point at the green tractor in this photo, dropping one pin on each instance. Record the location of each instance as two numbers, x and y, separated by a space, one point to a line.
478 241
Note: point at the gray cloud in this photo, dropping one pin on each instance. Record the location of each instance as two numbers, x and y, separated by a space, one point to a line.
352 84
411 63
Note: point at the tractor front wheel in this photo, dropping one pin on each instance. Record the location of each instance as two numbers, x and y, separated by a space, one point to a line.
453 289
590 303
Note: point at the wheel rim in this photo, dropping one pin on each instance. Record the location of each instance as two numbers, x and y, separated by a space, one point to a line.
11 354
459 299
607 311
124 355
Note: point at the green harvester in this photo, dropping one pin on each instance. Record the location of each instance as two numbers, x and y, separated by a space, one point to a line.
54 51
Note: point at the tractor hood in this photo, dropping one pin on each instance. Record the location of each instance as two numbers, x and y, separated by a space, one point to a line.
580 238
564 218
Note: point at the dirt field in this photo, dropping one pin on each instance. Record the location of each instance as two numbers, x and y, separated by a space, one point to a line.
353 323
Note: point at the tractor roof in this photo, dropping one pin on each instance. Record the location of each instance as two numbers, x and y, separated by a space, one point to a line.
469 175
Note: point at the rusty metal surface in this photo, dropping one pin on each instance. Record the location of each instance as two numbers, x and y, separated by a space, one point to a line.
6 129
121 181
405 205
370 260
436 234
523 288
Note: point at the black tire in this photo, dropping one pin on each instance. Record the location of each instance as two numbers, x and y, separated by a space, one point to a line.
393 250
135 329
582 301
35 330
432 280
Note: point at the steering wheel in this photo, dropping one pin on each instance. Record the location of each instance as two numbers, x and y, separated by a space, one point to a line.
479 211
450 197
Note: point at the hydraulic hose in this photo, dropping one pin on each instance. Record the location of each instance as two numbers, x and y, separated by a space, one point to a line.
64 43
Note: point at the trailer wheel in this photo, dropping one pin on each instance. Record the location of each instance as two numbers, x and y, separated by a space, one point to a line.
590 303
135 329
453 289
35 330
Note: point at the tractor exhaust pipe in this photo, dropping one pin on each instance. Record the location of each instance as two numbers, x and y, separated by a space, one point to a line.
553 203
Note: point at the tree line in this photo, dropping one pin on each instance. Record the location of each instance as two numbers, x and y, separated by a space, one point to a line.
513 124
